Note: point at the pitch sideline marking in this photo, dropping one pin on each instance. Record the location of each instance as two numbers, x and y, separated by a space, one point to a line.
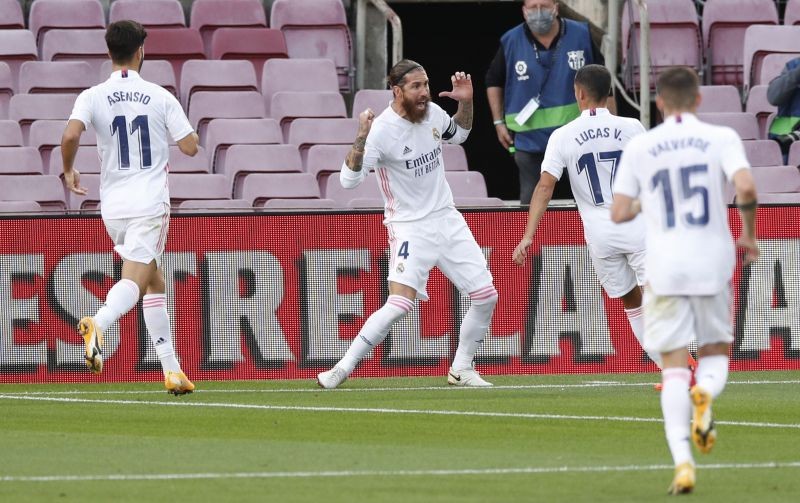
391 473
382 410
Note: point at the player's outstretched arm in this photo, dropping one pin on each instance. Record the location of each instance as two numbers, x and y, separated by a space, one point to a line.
746 194
462 92
69 148
356 155
541 196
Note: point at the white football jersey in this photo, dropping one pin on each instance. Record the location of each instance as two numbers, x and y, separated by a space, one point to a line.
590 148
132 118
678 171
408 161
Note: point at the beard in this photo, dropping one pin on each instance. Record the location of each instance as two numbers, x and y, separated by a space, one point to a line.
415 111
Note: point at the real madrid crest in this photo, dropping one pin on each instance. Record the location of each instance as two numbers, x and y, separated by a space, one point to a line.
436 135
400 268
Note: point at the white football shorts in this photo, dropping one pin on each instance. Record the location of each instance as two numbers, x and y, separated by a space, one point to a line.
672 321
139 239
444 241
619 273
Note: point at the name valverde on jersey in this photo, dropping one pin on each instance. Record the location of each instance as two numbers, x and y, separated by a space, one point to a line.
589 148
678 170
132 119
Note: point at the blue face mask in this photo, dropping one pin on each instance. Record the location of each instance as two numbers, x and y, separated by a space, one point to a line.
540 21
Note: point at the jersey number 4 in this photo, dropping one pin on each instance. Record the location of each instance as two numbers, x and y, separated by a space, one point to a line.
587 163
119 127
689 190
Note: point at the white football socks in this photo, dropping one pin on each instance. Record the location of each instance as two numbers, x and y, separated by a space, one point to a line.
120 299
375 330
636 319
474 326
676 405
712 373
156 318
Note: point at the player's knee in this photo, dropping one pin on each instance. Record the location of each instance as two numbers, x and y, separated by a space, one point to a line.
398 306
486 296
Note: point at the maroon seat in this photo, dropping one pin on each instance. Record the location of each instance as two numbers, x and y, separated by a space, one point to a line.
17 47
323 160
51 14
455 158
55 77
256 45
305 75
183 186
11 15
776 178
779 198
156 71
367 189
182 163
744 123
307 132
87 161
26 108
45 135
757 104
287 106
791 16
198 75
82 45
772 65
214 204
10 134
794 154
7 86
208 105
20 207
760 40
150 14
90 201
241 160
365 203
375 99
20 161
222 133
209 15
316 29
721 98
47 190
176 45
763 152
466 183
478 202
260 187
300 204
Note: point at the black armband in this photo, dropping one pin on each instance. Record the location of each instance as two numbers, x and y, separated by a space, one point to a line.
748 206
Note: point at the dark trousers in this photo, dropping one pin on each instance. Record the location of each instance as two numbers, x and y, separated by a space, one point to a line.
530 169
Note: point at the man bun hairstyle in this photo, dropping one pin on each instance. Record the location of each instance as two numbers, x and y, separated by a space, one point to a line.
596 80
399 71
678 87
123 39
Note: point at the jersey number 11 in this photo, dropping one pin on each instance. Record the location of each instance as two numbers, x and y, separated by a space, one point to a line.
138 125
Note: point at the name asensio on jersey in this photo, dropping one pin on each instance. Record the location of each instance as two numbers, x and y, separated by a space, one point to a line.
678 144
134 96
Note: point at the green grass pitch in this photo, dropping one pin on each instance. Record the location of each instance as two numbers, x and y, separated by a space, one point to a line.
572 438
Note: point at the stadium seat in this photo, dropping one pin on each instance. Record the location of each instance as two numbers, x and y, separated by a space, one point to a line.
45 135
466 183
256 45
47 190
305 75
794 154
478 202
760 40
763 152
26 108
214 204
208 105
51 14
156 71
20 161
317 29
184 186
7 86
757 104
241 160
209 15
260 187
222 133
287 106
20 207
365 203
83 45
675 38
299 204
324 160
182 163
307 132
199 75
368 189
375 99
772 66
454 157
17 47
724 25
90 201
791 16
176 45
744 123
150 14
87 161
719 98
779 198
55 77
776 178
10 134
11 15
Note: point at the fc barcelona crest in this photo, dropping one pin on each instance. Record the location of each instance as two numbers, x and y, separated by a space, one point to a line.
576 60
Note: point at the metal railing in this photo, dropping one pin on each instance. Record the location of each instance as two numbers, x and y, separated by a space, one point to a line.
361 36
614 16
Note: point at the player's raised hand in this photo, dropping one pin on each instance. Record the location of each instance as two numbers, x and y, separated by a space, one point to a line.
462 87
521 251
365 119
750 247
72 179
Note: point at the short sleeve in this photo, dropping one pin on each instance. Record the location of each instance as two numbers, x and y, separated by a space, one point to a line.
177 122
82 110
732 155
553 161
625 181
372 151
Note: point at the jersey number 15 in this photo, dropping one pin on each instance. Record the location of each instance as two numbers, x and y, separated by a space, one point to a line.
119 127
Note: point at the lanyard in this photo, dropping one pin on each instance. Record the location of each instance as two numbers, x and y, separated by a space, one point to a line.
553 54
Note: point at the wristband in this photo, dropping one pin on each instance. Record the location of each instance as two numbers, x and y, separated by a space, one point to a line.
498 122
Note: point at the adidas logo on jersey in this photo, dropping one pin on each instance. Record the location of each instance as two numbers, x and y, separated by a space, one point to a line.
406 150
